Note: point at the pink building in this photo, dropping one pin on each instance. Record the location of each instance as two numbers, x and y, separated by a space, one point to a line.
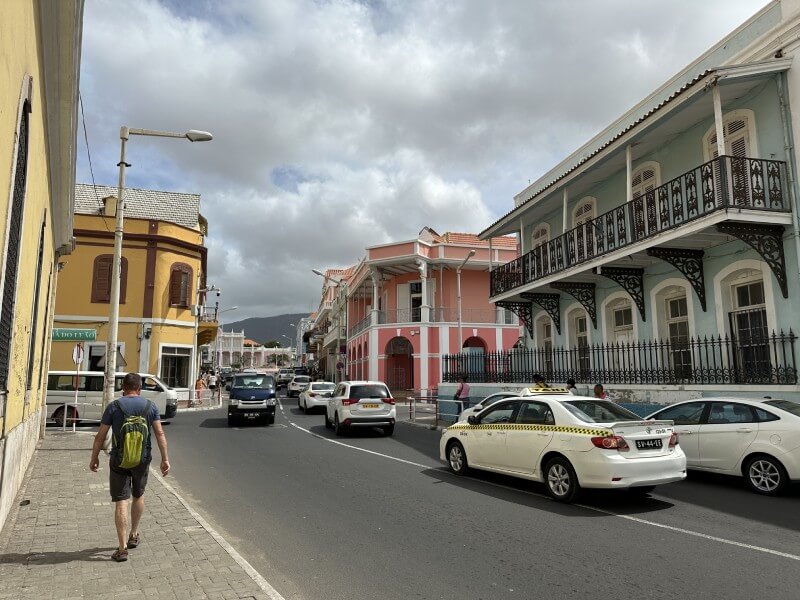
402 307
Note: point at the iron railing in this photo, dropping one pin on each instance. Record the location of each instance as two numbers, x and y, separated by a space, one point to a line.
749 183
750 360
359 327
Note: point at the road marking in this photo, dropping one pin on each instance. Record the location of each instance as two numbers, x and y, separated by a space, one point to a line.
639 520
241 561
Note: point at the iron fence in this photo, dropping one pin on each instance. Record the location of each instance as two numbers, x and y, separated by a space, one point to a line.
708 361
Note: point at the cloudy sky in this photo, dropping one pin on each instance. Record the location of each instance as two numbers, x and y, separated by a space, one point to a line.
340 124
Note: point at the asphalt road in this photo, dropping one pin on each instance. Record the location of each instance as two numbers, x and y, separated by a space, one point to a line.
365 517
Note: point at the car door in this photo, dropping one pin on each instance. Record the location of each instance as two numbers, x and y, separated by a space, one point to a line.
729 430
336 400
488 447
525 445
688 417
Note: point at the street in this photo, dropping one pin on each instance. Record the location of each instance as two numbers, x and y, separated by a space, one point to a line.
363 516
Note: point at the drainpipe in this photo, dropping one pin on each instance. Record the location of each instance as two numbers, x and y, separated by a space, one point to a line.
790 158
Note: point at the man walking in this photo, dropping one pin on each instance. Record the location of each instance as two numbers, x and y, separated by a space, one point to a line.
125 482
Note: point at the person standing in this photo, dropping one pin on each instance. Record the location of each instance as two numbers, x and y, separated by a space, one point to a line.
462 393
571 387
124 482
199 386
539 383
599 392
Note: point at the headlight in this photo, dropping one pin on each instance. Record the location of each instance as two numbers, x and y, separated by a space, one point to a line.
233 402
270 401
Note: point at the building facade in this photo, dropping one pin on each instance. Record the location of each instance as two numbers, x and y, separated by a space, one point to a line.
40 48
233 349
163 281
661 258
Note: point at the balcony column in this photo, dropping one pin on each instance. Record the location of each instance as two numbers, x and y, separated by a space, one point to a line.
629 172
565 200
374 314
424 311
718 124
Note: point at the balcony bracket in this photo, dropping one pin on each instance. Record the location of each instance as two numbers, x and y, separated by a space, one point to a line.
765 239
523 310
551 303
583 292
630 280
689 263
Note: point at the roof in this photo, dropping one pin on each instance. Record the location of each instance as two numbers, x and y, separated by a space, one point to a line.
473 240
173 207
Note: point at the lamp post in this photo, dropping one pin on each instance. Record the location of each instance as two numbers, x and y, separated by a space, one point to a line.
458 298
125 132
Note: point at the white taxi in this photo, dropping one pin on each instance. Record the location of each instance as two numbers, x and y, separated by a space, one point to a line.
568 443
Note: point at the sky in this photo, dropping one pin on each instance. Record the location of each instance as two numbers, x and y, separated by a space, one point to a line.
341 124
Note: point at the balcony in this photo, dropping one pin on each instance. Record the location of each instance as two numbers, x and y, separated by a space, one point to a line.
722 184
207 326
488 316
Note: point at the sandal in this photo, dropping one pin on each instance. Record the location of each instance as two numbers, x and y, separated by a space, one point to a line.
133 541
120 555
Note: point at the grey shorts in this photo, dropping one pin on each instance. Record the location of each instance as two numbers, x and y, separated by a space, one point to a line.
124 482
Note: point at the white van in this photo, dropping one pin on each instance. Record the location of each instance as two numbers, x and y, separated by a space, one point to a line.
61 389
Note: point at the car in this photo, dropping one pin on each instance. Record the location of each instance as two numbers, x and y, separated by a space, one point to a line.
315 395
252 397
758 439
568 443
497 396
300 371
298 384
360 404
284 376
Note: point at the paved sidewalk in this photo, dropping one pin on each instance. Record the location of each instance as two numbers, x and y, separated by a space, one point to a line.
59 537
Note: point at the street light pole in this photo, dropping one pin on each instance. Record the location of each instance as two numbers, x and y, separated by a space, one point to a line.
458 298
125 132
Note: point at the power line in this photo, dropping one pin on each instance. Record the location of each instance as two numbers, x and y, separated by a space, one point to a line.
89 155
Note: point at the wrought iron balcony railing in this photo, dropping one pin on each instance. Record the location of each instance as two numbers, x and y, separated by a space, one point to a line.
722 183
359 327
751 360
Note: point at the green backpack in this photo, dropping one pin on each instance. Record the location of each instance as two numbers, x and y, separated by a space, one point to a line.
133 435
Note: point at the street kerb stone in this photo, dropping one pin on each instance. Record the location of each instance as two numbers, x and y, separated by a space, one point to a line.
59 545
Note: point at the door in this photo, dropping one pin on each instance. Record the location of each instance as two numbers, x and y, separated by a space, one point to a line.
488 447
687 418
524 447
728 432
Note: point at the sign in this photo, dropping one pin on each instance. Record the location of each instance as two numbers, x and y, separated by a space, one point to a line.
77 354
74 335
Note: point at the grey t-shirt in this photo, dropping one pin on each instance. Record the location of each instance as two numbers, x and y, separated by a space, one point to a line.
132 405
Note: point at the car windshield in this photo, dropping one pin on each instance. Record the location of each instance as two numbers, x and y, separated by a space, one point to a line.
254 382
323 387
369 391
301 379
489 400
787 405
599 411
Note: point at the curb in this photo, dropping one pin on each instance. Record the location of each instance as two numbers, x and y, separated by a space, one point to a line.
197 409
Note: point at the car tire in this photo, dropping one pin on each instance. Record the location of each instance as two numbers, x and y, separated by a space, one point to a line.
765 475
328 424
305 407
457 458
271 420
338 428
231 421
388 430
58 416
560 480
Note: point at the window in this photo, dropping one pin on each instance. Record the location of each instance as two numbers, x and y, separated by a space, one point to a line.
677 318
544 329
180 285
765 416
503 413
535 413
583 215
683 414
580 328
645 179
787 405
415 297
150 385
35 317
623 323
101 278
730 412
739 129
748 323
96 357
599 411
175 366
65 383
541 235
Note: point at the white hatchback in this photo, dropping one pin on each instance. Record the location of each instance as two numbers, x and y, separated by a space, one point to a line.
361 404
316 395
758 439
297 385
568 442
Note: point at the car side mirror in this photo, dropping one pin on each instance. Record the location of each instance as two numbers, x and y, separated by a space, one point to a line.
472 420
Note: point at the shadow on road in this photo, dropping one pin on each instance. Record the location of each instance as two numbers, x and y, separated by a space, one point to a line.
57 558
222 423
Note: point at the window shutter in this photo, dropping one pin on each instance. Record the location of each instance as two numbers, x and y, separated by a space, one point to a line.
123 283
101 278
175 288
184 288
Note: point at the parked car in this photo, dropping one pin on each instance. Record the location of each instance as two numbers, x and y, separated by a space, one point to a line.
252 397
568 443
315 395
758 439
361 404
300 371
284 376
297 385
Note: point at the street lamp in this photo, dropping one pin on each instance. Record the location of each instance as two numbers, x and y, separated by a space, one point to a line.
193 135
458 298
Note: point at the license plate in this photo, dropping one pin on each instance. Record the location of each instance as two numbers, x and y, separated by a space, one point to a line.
250 415
654 444
370 406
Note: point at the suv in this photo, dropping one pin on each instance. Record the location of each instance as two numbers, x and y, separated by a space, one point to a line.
252 396
361 404
297 385
285 376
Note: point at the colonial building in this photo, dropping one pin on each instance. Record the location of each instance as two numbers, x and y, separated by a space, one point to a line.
233 349
40 49
661 257
162 293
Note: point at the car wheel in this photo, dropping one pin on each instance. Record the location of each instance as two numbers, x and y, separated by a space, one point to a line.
271 420
765 475
328 424
338 428
641 490
58 416
388 430
231 421
305 407
560 480
457 458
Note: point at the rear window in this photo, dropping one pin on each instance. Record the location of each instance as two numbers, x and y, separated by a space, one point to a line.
254 382
369 391
323 387
599 411
302 379
787 405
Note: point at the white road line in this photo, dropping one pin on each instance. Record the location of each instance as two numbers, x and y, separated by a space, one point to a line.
641 521
241 561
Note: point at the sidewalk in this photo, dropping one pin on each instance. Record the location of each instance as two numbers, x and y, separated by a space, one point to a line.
59 537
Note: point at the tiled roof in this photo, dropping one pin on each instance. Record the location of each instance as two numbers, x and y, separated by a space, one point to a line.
472 239
173 207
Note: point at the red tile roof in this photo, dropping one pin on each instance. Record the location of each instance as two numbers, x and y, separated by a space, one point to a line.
471 239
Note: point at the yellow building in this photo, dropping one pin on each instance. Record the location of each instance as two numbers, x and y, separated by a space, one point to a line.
163 275
40 47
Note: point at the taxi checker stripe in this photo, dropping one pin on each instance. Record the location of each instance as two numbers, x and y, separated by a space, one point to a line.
526 427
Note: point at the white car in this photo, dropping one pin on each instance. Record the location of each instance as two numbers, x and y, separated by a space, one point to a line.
315 395
568 442
758 439
297 385
497 396
361 404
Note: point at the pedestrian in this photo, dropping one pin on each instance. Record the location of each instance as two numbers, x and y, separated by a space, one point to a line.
599 392
212 381
199 386
462 393
571 387
124 482
539 383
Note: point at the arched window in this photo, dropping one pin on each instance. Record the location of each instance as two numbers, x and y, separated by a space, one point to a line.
582 214
584 211
645 178
541 235
101 278
180 285
739 127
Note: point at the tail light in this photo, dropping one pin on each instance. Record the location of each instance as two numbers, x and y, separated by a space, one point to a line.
673 440
388 400
349 401
312 394
612 442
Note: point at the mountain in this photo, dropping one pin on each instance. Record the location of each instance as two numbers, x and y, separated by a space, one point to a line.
265 329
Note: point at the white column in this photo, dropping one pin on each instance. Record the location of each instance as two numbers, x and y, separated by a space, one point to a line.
374 315
718 125
565 200
629 172
498 338
374 351
423 357
425 315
